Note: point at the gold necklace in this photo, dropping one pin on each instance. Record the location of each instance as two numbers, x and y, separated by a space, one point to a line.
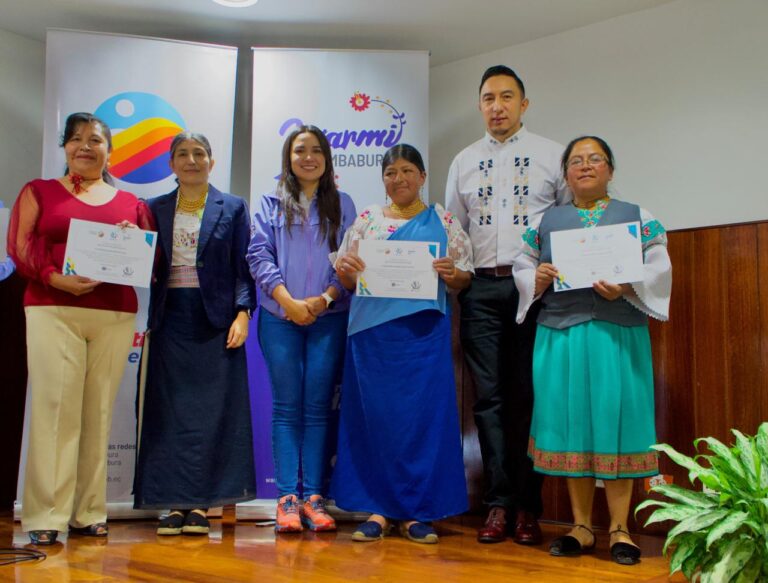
408 211
590 204
191 207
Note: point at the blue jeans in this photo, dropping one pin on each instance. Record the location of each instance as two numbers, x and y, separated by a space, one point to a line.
304 364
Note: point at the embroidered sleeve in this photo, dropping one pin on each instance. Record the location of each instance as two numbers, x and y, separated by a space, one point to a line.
531 242
651 295
459 245
524 270
356 232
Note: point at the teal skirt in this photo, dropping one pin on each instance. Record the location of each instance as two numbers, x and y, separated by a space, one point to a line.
593 412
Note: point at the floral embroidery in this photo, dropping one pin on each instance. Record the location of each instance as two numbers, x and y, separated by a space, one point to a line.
651 230
609 466
448 217
531 238
590 217
391 229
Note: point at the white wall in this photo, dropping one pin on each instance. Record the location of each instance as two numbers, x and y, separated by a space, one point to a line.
22 75
680 93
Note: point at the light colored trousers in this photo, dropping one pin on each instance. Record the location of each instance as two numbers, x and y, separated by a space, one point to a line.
76 358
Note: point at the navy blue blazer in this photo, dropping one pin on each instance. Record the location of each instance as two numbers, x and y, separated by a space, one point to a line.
225 282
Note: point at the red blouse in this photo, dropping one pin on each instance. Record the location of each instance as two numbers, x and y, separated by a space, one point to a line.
37 239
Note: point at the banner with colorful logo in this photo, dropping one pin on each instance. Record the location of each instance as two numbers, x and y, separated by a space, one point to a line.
147 90
365 102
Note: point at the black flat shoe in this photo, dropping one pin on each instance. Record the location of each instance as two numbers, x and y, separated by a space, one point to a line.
624 553
43 537
100 530
569 546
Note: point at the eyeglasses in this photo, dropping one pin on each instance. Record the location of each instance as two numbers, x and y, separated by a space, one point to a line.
592 160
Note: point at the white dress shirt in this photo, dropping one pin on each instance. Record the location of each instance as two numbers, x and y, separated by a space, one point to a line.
496 189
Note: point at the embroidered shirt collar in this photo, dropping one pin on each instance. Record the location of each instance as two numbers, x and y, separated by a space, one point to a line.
518 135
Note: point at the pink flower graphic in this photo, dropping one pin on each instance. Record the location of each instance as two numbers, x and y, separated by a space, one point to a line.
360 101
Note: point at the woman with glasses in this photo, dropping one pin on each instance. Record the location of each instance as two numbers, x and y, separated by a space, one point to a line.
593 414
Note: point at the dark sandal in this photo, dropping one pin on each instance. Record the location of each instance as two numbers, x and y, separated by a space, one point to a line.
569 546
100 529
43 537
370 531
171 524
196 523
624 553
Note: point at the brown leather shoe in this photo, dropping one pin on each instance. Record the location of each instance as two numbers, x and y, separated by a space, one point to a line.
527 530
495 528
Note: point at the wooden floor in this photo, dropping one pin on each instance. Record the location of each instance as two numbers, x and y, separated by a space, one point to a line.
236 552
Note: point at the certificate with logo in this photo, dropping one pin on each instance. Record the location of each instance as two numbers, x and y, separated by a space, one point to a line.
110 254
583 256
398 269
5 217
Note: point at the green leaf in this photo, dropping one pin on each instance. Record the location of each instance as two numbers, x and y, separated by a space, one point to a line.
690 497
723 452
748 457
735 556
698 522
691 564
676 512
680 459
731 523
751 571
687 545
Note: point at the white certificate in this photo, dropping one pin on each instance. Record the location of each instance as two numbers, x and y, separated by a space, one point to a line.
110 254
398 269
5 217
583 256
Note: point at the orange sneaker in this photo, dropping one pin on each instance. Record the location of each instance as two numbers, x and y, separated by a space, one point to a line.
288 515
315 516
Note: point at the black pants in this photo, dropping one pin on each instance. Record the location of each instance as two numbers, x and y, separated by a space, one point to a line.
499 353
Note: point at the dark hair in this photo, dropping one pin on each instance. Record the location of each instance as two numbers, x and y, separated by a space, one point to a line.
497 70
328 201
402 152
600 142
74 121
184 136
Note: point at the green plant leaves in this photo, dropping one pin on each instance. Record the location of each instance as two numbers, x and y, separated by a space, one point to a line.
720 536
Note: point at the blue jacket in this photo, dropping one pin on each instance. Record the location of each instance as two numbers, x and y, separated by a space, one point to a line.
225 283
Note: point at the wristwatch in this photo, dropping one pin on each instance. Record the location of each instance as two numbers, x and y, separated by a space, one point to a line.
329 301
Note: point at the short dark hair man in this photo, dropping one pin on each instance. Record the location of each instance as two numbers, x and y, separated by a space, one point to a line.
496 187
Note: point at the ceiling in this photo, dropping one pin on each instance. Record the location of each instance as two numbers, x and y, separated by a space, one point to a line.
450 29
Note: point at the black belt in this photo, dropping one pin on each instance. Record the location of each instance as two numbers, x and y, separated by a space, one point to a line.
498 271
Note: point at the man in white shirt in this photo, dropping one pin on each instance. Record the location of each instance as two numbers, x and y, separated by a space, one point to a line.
496 188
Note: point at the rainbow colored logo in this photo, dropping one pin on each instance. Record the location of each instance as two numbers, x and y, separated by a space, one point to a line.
143 126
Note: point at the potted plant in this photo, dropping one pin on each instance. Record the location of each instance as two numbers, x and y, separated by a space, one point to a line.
721 534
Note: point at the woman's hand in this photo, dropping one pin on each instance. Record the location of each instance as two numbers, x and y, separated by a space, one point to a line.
610 291
77 285
316 304
545 275
127 225
298 312
238 331
348 268
452 276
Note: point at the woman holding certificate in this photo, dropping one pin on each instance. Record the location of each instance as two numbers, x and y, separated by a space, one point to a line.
195 446
593 414
399 454
302 319
79 334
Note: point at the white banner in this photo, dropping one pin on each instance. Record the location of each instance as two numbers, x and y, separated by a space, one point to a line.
365 102
147 91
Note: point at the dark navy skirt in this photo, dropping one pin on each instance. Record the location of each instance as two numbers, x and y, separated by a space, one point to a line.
196 446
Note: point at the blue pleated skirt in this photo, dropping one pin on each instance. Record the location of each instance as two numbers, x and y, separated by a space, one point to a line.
399 449
593 411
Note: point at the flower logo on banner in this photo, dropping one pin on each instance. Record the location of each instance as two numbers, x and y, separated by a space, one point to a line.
360 101
143 126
